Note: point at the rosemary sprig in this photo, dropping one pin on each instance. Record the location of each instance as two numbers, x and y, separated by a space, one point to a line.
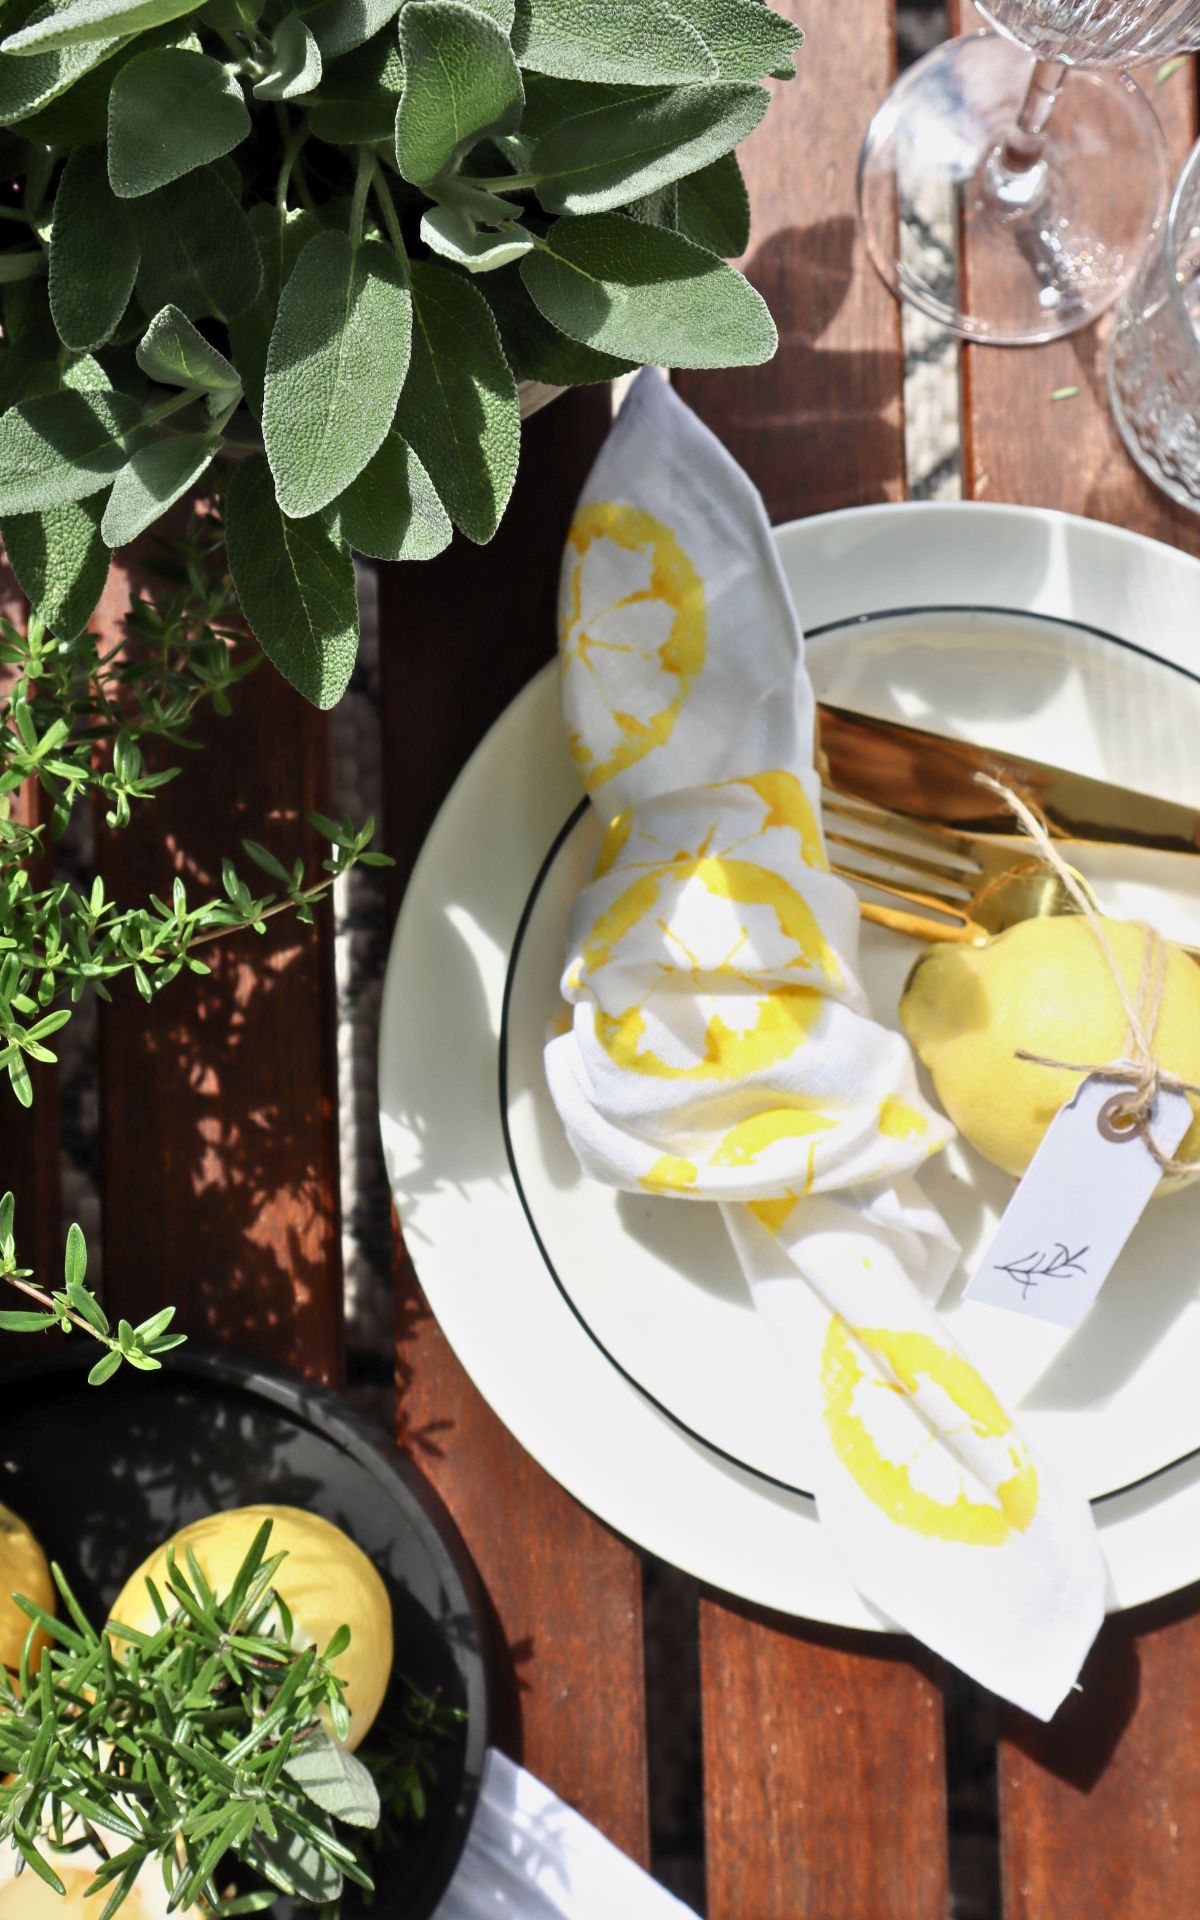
201 1745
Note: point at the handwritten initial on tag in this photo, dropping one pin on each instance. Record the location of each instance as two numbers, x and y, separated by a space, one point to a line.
1082 1195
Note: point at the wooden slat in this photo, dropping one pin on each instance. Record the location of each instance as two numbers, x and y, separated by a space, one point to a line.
29 1137
824 1773
1098 1810
459 637
819 427
218 1100
823 1759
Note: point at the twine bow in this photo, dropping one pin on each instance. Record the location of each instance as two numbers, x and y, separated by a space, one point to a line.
1138 1069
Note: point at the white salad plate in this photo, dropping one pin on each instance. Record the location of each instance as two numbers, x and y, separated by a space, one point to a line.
614 1333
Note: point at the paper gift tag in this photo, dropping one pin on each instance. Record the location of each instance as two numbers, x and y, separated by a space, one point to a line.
1082 1195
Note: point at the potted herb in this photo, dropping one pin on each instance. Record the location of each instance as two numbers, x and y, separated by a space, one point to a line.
297 1560
302 258
196 1753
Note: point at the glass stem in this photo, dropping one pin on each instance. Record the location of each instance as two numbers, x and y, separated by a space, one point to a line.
1023 148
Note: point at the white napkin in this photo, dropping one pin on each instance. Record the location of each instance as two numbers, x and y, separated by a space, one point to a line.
531 1857
717 1045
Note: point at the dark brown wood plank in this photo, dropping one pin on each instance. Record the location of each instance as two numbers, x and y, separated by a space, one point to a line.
824 1769
29 1137
824 1766
218 1100
820 426
1098 1810
460 637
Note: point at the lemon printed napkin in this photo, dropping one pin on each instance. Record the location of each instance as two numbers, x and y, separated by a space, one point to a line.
718 1046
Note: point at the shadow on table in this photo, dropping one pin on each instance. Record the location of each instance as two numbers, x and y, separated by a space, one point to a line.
818 427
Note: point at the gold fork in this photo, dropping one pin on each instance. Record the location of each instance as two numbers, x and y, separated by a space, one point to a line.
946 885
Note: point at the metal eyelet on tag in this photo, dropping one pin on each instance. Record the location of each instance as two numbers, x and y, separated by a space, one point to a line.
1109 1116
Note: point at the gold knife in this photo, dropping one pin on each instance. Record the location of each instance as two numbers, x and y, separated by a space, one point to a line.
932 778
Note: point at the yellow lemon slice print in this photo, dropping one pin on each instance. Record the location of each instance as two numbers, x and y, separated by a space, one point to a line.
643 675
968 1518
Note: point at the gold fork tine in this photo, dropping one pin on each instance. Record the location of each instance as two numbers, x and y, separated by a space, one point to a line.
961 877
941 840
955 910
1000 882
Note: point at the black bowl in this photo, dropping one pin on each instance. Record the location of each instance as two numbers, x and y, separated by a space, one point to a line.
104 1474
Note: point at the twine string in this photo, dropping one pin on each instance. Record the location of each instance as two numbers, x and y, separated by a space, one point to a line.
1137 1069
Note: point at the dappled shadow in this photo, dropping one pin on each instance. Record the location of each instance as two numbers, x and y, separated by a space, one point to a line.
218 1123
818 427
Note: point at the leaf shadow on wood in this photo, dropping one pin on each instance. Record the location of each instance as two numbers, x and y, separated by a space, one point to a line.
219 1134
817 423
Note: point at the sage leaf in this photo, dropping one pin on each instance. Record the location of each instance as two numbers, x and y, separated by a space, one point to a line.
86 375
154 479
605 158
27 86
648 294
61 448
644 41
548 102
198 250
77 117
294 1865
176 353
335 1781
537 351
713 208
503 12
83 21
169 112
60 562
357 101
339 26
447 231
391 512
295 584
338 356
281 237
295 62
460 81
24 378
459 409
94 253
744 37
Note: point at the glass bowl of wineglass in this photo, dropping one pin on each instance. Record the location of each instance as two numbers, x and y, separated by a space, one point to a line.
985 183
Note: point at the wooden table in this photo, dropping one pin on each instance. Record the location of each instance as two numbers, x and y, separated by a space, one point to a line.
825 1753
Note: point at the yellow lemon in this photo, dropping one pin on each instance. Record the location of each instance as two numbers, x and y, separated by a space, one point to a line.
1044 987
23 1569
29 1898
326 1581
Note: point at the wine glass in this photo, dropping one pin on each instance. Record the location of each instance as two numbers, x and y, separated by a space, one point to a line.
1005 204
1154 352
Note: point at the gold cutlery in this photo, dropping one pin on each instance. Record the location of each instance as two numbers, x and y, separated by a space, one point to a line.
938 884
932 778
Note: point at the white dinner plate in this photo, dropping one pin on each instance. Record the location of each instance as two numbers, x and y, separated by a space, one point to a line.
614 1333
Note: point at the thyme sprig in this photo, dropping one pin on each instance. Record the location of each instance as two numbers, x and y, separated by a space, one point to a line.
75 1306
76 718
200 1745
